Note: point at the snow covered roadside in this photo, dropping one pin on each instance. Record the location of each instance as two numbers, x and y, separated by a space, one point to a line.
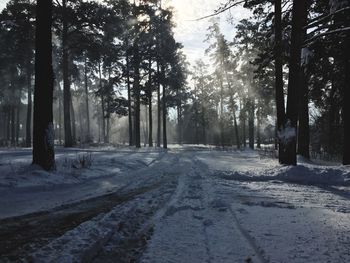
25 188
247 166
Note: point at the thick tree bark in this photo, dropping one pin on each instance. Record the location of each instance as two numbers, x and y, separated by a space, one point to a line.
29 108
290 131
88 133
43 130
68 140
279 94
304 129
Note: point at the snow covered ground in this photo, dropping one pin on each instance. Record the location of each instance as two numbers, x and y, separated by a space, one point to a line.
186 204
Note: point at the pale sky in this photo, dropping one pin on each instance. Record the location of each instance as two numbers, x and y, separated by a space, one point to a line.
192 34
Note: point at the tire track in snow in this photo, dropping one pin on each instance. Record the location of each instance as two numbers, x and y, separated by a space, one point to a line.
201 168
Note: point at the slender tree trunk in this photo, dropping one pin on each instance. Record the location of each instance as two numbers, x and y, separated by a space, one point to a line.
18 109
68 140
159 107
136 88
204 127
8 120
222 113
131 141
290 133
243 120
251 118
108 126
73 125
88 133
280 108
235 124
103 119
29 108
180 123
13 126
164 108
346 104
150 95
43 130
258 121
59 112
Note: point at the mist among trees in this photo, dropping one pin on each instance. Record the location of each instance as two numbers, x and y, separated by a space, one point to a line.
120 77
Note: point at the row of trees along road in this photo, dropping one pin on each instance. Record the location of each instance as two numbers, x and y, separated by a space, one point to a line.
290 60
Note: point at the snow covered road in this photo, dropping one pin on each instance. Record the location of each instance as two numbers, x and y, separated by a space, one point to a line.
183 205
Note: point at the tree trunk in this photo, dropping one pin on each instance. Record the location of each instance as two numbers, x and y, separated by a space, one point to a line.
73 125
13 126
279 94
131 141
68 140
243 120
159 107
299 14
221 113
18 108
164 108
136 88
179 121
59 112
8 121
346 104
29 108
251 118
88 134
103 120
258 122
43 130
304 129
204 127
150 93
236 130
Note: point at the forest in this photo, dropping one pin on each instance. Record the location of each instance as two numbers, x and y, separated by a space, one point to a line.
94 89
118 72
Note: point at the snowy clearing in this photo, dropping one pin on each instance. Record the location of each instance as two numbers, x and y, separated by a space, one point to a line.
187 204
